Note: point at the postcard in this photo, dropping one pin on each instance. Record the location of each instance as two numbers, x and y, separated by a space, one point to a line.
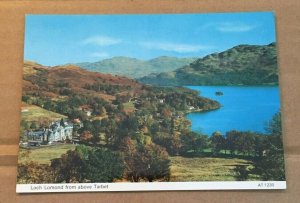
146 102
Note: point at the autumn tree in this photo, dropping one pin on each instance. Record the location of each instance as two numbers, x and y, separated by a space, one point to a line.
172 143
35 173
90 132
249 143
166 113
69 167
232 139
86 137
217 142
145 161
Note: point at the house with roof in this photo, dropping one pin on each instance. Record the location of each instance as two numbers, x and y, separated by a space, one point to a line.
60 131
56 132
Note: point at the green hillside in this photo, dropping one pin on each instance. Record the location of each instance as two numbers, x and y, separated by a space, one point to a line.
135 68
240 65
32 113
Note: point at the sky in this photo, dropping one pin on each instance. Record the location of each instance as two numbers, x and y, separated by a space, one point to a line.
59 39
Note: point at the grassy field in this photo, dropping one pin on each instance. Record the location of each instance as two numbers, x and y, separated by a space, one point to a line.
205 168
44 154
35 113
182 168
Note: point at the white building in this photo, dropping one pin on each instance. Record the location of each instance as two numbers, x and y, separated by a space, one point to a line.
55 133
58 132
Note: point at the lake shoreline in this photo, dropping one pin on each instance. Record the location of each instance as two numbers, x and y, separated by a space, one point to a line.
201 110
242 108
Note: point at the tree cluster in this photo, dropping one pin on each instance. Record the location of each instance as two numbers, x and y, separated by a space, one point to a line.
84 164
106 88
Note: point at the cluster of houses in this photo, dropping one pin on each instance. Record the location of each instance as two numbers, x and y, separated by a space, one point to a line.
58 131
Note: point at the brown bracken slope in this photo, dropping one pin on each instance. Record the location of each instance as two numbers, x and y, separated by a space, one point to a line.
48 81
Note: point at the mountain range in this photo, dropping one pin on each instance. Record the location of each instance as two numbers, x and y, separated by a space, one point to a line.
135 68
240 65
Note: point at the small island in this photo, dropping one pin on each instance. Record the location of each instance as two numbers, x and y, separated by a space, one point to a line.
219 93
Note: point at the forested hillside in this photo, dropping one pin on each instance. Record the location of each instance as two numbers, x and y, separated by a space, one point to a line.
240 65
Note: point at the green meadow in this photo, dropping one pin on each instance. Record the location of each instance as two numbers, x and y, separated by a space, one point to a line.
205 169
44 154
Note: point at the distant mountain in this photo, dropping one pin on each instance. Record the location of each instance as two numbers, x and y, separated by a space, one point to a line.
135 68
240 65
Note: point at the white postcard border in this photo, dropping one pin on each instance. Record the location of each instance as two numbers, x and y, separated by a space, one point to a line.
153 186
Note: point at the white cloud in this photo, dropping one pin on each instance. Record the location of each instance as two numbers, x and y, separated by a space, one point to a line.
234 27
229 27
175 47
101 41
99 55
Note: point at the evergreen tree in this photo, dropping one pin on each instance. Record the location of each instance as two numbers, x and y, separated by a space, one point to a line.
86 164
271 165
62 122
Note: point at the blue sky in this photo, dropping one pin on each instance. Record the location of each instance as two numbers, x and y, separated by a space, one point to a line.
60 39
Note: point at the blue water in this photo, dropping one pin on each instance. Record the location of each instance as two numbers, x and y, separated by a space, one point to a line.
243 109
